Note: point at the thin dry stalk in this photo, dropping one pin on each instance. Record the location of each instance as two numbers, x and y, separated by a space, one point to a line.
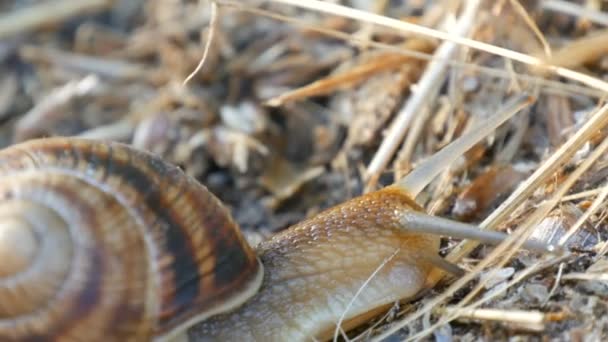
603 250
530 22
405 154
505 251
577 10
545 208
558 278
530 320
208 43
585 276
581 51
47 110
521 276
358 293
425 172
581 195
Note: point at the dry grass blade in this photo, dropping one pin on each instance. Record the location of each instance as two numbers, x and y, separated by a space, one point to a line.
519 277
581 195
49 108
46 13
208 43
105 67
416 29
544 209
353 76
530 22
585 276
358 293
603 250
402 161
597 121
576 10
547 86
529 320
581 51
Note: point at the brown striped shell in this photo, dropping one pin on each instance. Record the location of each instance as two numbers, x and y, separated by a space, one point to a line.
99 241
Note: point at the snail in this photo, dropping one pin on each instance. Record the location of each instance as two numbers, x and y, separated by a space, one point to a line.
102 242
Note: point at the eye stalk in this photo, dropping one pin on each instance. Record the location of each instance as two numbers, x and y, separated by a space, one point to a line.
421 223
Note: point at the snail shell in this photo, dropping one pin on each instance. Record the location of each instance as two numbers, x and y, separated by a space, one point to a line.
102 242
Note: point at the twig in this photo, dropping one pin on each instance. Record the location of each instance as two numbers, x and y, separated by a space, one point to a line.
581 195
585 276
581 51
45 111
120 131
558 279
104 67
530 22
210 35
46 13
530 320
576 10
602 250
407 149
425 92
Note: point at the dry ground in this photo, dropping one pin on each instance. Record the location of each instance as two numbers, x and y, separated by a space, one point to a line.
293 110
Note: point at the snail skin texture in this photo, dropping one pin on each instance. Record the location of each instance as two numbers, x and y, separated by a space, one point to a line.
314 269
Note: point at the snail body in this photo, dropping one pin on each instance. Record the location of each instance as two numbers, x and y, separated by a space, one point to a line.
315 269
104 242
101 242
123 243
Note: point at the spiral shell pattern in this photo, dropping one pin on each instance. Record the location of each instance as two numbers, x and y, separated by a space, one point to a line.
99 241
